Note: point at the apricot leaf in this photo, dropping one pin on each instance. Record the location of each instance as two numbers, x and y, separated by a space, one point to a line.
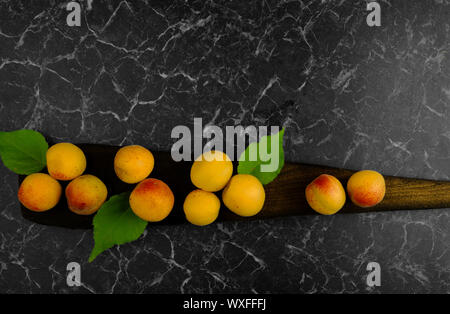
115 224
23 151
263 159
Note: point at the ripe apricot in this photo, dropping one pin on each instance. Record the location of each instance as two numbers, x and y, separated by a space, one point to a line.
39 192
86 194
65 161
325 194
201 208
366 188
211 171
152 200
133 163
244 195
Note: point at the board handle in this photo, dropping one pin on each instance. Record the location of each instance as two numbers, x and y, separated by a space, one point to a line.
287 192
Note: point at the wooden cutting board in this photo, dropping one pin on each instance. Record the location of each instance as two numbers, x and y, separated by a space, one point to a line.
284 196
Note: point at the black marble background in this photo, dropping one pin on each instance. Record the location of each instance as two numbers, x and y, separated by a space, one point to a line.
349 96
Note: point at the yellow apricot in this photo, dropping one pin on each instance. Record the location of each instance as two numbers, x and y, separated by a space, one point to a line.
366 188
325 194
211 171
86 194
39 192
133 163
244 195
65 161
201 208
152 200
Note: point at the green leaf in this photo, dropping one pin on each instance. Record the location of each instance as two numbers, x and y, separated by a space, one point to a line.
115 223
23 151
257 159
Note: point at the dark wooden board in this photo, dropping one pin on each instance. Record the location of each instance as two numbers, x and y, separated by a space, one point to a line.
284 196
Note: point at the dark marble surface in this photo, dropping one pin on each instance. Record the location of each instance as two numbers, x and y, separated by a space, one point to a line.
349 96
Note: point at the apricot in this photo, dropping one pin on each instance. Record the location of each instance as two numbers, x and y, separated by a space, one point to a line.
133 163
325 194
211 171
86 194
201 208
366 188
244 195
152 200
39 192
65 161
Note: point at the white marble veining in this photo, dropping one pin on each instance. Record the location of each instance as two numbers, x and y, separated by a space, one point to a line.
349 96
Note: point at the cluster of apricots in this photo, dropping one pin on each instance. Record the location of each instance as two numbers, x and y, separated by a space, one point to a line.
65 162
326 194
151 199
243 194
